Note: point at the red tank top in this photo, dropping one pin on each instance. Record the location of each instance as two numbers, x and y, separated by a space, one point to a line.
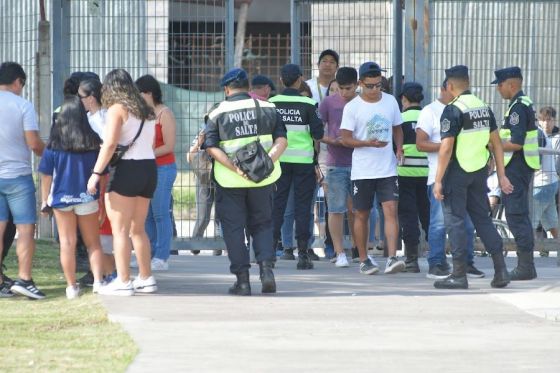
168 158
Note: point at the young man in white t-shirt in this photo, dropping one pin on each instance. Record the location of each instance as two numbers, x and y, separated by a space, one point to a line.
428 139
370 123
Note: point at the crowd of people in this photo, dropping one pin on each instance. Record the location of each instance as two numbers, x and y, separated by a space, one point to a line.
108 168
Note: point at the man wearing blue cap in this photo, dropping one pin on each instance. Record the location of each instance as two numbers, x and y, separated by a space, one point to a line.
468 126
413 175
370 124
299 114
519 135
261 87
244 205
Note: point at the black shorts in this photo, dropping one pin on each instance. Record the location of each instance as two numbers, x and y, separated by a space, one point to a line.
133 178
363 192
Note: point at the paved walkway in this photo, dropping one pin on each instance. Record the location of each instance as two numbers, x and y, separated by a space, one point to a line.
336 320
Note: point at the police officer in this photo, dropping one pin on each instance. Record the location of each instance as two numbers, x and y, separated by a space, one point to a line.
519 135
413 176
241 203
467 127
299 114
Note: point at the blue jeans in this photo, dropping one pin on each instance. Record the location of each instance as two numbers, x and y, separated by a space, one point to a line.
158 221
437 233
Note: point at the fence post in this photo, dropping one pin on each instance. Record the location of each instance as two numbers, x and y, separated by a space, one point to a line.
295 51
416 36
230 34
61 47
397 46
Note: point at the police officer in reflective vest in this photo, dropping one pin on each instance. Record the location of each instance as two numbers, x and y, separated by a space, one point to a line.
467 127
242 204
521 158
299 114
413 176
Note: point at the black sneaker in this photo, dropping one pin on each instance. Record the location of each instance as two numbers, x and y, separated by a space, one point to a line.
311 254
5 290
367 267
288 254
86 280
27 288
355 255
473 272
7 280
437 272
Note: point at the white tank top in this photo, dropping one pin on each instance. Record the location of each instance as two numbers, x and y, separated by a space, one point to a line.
143 146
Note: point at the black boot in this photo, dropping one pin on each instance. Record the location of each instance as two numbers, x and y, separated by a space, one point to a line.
288 254
501 276
267 277
457 280
411 262
525 269
242 286
312 255
304 262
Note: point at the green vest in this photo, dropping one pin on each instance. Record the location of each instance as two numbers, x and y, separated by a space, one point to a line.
415 162
531 145
471 144
300 143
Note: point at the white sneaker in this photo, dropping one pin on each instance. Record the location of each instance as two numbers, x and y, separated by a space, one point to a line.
96 286
159 265
394 265
118 288
341 261
73 292
147 285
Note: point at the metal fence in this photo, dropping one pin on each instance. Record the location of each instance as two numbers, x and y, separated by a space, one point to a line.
187 45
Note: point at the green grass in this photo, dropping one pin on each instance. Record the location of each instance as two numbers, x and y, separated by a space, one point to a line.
55 334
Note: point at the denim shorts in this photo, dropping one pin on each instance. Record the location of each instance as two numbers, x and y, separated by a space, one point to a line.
17 196
340 186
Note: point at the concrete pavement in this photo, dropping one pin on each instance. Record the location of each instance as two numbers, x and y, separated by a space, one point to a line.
336 320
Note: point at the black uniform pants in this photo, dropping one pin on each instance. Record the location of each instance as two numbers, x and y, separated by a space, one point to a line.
517 203
467 192
413 206
303 177
248 209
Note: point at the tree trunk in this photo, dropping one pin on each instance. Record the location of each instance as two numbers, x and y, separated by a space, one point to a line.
240 36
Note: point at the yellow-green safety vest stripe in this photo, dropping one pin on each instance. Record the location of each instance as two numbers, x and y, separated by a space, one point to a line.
415 163
230 179
470 144
531 144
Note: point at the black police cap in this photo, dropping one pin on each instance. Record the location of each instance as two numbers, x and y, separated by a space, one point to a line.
507 73
263 80
411 89
458 71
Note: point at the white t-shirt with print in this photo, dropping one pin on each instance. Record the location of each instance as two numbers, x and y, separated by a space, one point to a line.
365 119
428 121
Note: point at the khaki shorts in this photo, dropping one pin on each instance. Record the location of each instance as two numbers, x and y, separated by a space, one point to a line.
82 208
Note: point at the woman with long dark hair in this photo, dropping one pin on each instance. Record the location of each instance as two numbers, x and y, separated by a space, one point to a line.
65 167
132 180
158 223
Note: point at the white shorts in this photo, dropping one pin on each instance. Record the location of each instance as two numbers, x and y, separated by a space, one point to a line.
82 208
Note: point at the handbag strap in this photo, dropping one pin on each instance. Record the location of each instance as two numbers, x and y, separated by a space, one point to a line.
258 110
137 134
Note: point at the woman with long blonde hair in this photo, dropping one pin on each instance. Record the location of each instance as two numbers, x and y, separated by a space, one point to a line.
132 180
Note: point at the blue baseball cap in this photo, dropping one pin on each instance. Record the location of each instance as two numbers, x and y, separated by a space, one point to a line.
370 67
457 71
411 90
507 73
263 80
233 75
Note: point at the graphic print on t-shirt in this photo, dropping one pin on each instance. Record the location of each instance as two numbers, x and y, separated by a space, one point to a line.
379 128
